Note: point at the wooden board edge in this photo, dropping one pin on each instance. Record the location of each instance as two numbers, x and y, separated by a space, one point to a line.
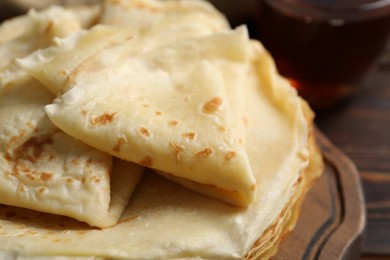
347 239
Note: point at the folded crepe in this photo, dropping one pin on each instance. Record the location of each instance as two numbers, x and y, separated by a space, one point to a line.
24 34
131 116
44 169
41 167
131 21
53 65
167 221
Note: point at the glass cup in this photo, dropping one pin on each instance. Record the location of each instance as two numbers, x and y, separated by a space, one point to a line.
325 47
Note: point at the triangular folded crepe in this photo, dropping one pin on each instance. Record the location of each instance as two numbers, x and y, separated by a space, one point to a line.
41 167
44 169
52 66
124 20
22 35
166 221
167 109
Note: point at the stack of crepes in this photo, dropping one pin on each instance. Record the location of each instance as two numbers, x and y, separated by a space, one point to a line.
93 98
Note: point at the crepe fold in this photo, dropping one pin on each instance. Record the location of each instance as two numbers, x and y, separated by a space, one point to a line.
134 22
131 116
41 167
167 221
121 54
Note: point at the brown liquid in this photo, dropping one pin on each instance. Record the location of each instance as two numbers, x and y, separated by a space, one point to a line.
324 59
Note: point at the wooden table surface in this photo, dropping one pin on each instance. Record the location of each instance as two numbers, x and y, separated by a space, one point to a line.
361 129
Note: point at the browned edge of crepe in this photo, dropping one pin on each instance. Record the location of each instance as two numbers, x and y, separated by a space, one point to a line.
266 246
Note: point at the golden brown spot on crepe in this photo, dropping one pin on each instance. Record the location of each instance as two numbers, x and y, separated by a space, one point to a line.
21 227
121 141
205 152
15 139
88 161
84 112
143 131
146 161
253 187
21 167
212 105
63 73
177 148
172 123
8 157
94 178
30 176
298 181
91 64
104 119
30 232
230 155
240 141
145 105
75 161
42 190
32 126
69 180
115 1
221 128
189 135
51 157
245 120
48 27
46 176
32 149
21 188
158 113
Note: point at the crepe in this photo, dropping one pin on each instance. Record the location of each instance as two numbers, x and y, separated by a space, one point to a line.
167 221
52 66
41 167
131 117
143 14
87 14
44 169
22 35
124 20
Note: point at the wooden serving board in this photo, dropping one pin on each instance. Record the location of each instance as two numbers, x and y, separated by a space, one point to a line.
332 218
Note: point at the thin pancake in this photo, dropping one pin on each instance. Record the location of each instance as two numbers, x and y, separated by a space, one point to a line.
166 221
41 167
52 65
22 35
44 169
121 20
131 115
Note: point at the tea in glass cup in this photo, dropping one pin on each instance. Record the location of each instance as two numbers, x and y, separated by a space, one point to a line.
325 47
